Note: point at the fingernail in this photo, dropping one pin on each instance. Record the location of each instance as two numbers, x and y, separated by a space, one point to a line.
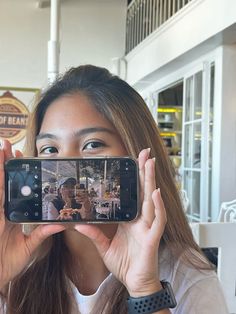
1 143
154 159
148 150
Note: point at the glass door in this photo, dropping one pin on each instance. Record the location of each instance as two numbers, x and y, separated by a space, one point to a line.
197 138
193 143
169 120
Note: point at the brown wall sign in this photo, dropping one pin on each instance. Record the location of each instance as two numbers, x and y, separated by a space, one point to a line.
13 118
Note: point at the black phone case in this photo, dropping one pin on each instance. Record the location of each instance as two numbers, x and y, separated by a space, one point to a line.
87 190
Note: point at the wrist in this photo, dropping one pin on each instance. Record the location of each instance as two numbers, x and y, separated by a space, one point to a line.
146 289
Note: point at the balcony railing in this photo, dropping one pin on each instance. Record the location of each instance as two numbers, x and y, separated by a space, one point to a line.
145 16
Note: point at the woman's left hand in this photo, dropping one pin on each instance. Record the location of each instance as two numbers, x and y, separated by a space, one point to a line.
132 254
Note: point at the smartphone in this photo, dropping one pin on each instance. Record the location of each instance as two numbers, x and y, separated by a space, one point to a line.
87 190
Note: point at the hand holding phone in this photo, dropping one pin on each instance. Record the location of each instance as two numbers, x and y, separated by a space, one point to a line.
16 248
80 190
141 238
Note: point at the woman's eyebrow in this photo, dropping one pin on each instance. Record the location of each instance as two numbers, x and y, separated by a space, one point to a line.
78 133
45 135
86 131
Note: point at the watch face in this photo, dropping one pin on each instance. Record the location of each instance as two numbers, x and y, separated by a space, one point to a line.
167 287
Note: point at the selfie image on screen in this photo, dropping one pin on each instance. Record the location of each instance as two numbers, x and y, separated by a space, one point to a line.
88 190
80 190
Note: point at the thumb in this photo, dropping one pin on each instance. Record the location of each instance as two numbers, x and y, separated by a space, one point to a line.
98 238
18 153
41 233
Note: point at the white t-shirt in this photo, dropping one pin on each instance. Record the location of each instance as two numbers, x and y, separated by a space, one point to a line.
196 292
86 303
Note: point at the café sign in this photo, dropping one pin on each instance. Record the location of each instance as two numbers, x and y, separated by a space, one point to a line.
13 118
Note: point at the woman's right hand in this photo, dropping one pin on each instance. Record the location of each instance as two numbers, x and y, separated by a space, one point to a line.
16 248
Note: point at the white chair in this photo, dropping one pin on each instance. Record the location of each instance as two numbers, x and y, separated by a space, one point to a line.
221 236
227 212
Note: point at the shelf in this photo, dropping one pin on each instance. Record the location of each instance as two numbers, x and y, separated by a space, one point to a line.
169 121
165 121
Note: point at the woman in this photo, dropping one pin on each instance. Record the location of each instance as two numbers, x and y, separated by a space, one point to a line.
95 268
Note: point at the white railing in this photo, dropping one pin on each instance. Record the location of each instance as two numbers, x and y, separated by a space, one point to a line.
145 16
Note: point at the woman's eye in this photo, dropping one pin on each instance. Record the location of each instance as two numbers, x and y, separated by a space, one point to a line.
48 150
93 145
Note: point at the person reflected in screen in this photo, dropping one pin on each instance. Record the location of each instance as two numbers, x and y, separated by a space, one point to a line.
65 206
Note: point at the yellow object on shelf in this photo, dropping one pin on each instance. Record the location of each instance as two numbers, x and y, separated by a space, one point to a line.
169 110
168 134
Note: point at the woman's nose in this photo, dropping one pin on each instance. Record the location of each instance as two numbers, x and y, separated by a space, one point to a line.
68 152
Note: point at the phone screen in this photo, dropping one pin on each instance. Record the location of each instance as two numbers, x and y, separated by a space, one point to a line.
83 190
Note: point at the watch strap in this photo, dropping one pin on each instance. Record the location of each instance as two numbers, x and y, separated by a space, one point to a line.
152 303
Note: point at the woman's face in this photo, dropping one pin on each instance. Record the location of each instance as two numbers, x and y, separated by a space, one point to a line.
73 128
67 190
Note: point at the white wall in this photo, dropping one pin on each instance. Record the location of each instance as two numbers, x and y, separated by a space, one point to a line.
194 24
224 145
92 31
23 43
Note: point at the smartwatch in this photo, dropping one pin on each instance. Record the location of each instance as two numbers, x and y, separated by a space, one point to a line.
163 299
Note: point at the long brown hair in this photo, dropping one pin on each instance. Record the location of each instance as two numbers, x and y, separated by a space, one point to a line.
43 286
